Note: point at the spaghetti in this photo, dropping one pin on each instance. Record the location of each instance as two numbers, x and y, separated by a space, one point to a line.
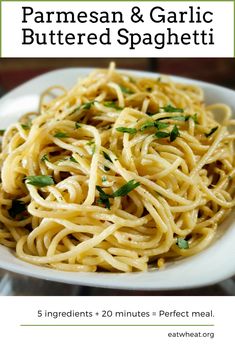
119 173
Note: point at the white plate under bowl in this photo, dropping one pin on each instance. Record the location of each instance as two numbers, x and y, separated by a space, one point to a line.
210 266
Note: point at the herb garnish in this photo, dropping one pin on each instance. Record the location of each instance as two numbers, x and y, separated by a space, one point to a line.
179 118
122 191
129 130
87 105
170 109
193 117
155 123
162 134
106 169
72 159
93 146
111 104
147 125
182 243
25 126
183 118
61 134
17 207
40 180
75 110
126 90
103 197
212 131
77 125
106 156
44 158
160 125
174 133
93 149
2 132
126 188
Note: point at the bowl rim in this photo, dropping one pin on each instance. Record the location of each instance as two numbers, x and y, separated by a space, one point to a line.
90 279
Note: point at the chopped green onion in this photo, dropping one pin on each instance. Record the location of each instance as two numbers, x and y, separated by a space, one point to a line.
103 197
126 188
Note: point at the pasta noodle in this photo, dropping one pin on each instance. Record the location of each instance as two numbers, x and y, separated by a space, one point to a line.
117 174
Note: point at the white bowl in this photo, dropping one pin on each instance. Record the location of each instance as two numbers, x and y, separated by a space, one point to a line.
210 266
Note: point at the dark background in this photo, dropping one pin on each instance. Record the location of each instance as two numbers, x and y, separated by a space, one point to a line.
13 72
221 71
